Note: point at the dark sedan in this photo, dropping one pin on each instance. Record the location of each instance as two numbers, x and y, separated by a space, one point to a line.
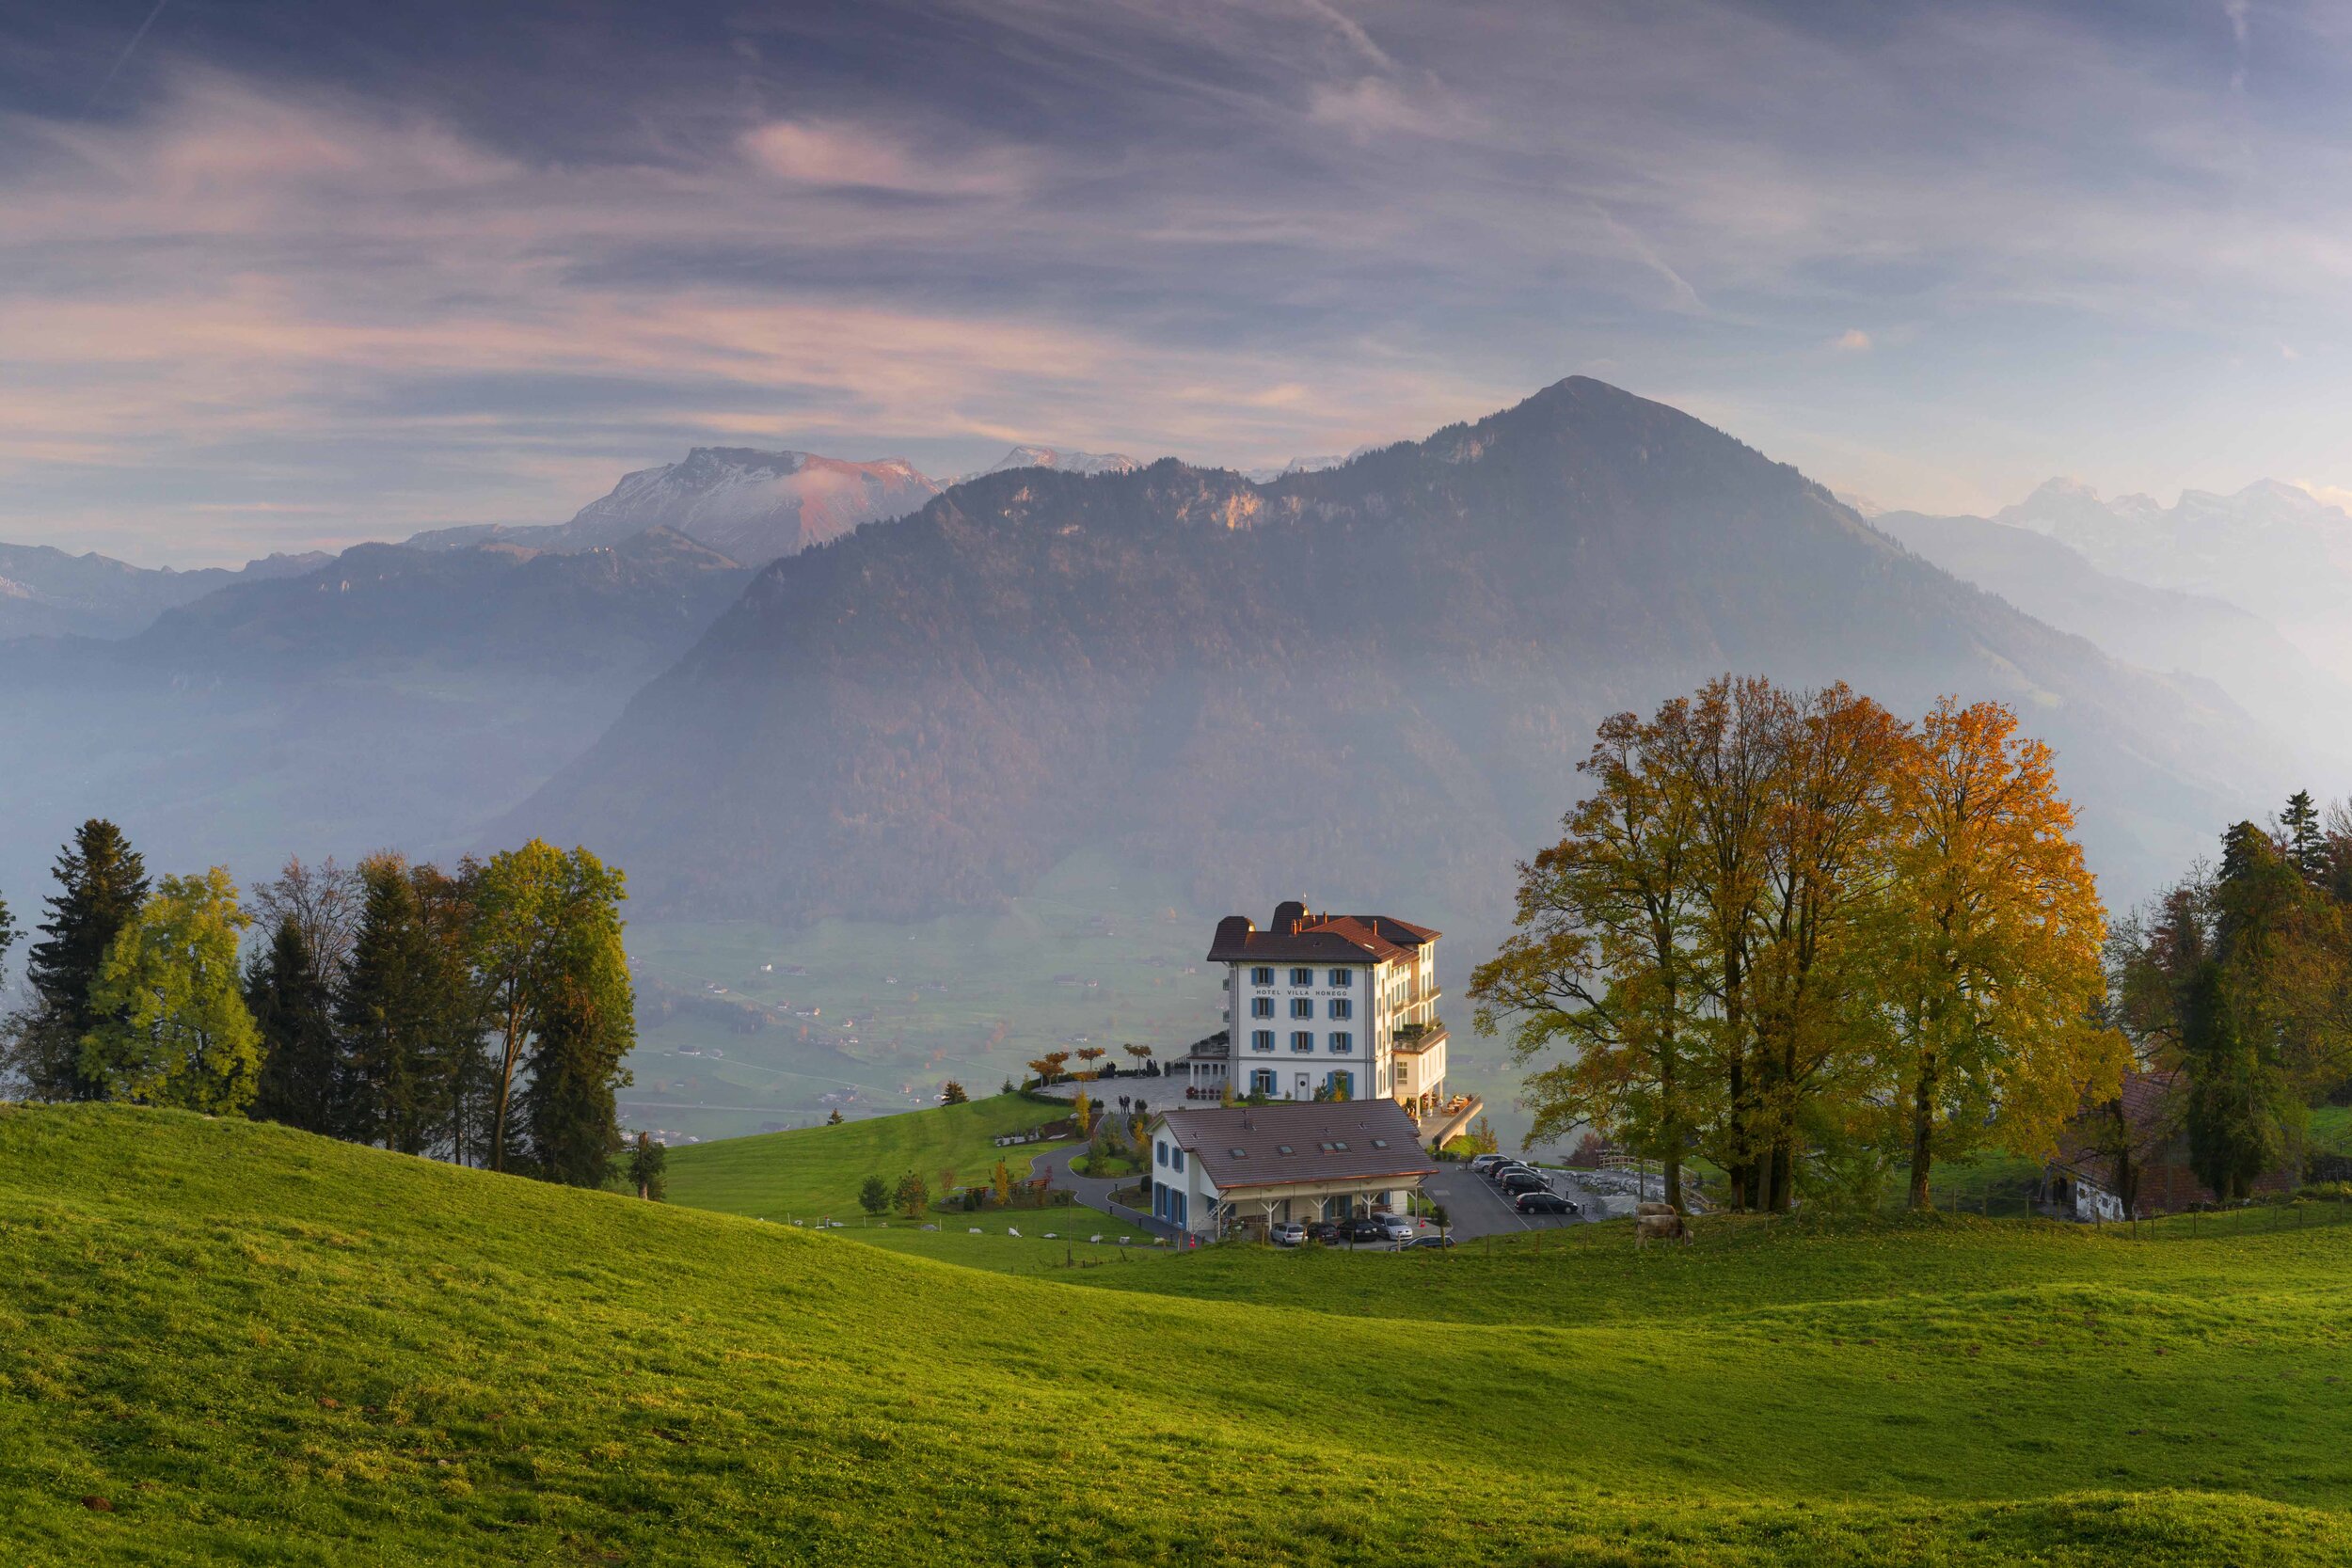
1325 1233
1545 1203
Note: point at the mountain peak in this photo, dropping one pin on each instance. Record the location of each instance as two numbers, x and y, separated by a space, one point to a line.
1067 459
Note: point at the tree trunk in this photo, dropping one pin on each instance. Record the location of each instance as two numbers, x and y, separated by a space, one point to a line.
1922 1129
506 1085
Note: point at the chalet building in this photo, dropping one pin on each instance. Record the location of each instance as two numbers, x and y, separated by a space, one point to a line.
1225 1168
1332 1007
2107 1169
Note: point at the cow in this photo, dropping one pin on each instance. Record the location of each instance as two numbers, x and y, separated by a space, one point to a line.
1659 1222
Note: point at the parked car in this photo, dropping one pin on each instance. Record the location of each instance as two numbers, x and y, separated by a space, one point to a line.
1365 1230
1481 1164
1397 1228
1425 1241
1522 1182
1496 1173
1325 1233
1289 1233
1545 1203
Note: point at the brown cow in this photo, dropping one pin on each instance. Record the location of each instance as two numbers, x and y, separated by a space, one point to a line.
1659 1222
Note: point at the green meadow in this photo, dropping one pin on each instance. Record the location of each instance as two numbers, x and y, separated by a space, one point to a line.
814 1173
229 1342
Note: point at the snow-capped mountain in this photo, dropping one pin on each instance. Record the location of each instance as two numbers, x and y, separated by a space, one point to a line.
753 506
1064 459
2272 549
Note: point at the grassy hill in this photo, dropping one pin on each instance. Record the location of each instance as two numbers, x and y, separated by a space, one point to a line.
252 1345
815 1172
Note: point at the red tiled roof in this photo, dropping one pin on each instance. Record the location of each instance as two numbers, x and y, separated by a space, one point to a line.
1316 938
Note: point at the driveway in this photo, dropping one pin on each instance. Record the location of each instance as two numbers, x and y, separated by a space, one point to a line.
1475 1208
1094 1191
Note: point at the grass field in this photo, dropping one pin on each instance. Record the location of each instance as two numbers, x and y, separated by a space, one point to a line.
815 1172
256 1346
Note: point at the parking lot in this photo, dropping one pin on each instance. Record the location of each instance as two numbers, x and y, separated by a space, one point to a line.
1476 1208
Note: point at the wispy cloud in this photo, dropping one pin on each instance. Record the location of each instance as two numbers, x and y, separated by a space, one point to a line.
253 304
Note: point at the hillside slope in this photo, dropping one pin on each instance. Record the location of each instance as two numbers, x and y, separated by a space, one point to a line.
392 697
236 1342
45 591
1370 681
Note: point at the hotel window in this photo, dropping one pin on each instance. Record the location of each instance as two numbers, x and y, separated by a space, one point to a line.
1302 1040
1341 1041
1261 976
1342 1085
1340 977
1342 1008
1302 1006
1261 1039
1261 1081
1261 1006
1302 976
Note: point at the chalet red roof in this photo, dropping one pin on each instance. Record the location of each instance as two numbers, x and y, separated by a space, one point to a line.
1296 935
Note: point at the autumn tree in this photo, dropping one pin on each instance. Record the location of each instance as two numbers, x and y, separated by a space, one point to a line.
1001 1179
1598 967
171 1027
1090 1055
1827 870
913 1196
833 1119
1142 1053
1995 980
952 1094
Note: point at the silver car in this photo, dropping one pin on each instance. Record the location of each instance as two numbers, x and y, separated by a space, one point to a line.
1289 1233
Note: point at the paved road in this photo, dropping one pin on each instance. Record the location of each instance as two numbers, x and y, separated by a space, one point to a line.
1476 1208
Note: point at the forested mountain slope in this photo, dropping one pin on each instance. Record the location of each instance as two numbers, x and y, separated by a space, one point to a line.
392 697
1372 681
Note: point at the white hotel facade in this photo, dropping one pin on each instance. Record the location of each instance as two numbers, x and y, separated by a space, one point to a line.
1324 1005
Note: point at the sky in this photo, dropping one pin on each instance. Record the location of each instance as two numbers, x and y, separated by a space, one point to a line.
278 275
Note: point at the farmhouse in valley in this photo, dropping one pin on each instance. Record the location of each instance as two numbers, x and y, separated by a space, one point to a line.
1249 1166
1331 1006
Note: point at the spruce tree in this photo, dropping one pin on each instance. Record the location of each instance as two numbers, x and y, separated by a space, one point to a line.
101 882
384 1012
302 1079
2306 844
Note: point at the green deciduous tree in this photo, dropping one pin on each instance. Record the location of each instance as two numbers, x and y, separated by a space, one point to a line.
545 941
171 1027
102 882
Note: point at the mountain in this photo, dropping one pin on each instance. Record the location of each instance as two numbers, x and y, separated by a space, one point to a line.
753 506
1064 460
2273 548
47 592
394 697
2157 628
1375 681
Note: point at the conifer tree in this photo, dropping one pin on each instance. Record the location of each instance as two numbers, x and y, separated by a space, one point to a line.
101 882
294 1006
404 1012
874 1197
2306 844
